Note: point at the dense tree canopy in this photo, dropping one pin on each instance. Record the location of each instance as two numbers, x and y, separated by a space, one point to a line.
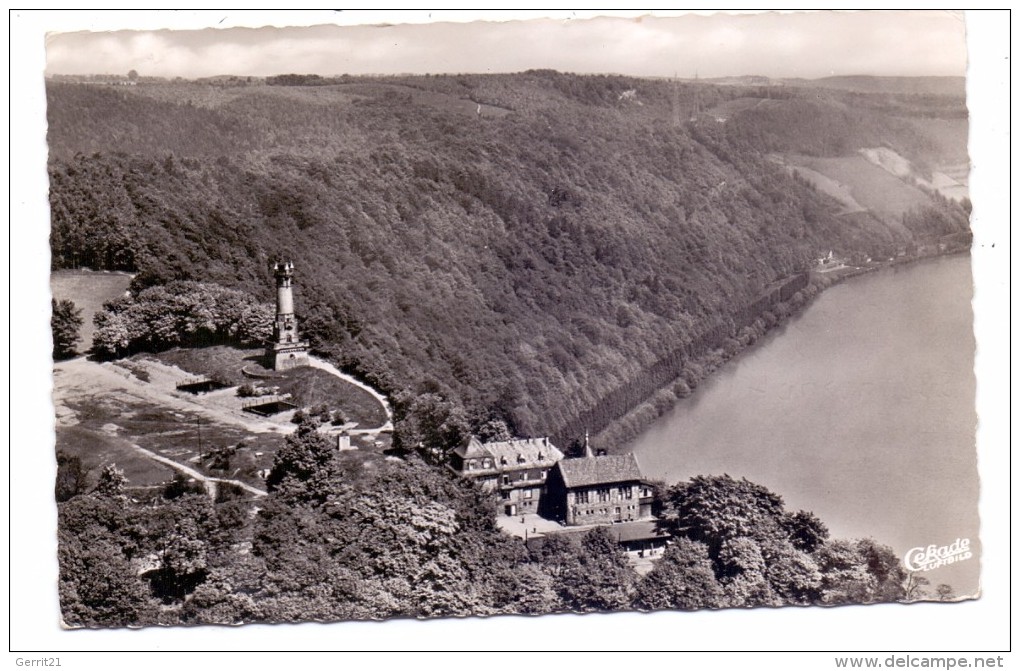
597 576
307 466
761 554
181 313
405 539
683 579
537 264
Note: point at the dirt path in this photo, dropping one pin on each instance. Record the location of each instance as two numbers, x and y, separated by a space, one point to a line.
209 483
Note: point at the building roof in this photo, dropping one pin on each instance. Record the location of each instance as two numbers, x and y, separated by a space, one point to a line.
639 530
605 469
524 453
472 449
623 532
512 454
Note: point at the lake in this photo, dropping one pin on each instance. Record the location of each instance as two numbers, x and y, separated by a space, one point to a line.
860 410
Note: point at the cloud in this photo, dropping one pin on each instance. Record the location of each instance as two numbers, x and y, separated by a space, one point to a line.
791 44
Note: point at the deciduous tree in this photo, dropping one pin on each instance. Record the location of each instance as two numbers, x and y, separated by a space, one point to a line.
682 579
600 579
306 468
859 571
72 476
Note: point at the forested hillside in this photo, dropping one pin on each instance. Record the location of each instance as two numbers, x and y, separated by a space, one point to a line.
519 246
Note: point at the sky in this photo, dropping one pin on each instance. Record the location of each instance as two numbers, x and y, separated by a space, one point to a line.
790 44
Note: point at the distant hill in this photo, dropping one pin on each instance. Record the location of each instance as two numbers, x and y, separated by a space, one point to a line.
942 86
524 245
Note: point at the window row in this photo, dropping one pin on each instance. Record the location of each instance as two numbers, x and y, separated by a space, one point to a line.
509 479
525 494
603 494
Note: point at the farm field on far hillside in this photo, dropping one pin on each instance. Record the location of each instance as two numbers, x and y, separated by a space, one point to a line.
877 190
831 187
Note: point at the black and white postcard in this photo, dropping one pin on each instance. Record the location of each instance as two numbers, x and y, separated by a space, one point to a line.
415 321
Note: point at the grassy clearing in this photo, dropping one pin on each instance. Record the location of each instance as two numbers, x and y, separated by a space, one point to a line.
878 191
311 387
88 290
830 187
219 362
308 386
212 97
434 99
97 448
99 420
108 424
730 107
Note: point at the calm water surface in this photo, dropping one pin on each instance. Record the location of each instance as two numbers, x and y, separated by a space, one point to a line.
860 410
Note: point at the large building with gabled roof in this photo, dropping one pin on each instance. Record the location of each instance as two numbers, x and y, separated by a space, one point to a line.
515 469
598 490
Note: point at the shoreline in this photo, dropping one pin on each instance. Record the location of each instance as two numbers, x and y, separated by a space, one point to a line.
622 431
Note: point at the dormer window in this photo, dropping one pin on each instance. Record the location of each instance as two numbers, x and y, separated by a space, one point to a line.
520 458
502 461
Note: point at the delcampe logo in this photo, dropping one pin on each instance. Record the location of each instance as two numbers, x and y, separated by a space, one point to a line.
934 556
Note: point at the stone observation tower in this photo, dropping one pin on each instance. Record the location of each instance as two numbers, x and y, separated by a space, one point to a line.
286 350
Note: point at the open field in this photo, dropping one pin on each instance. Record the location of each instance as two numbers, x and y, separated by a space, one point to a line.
88 289
841 192
727 109
308 386
873 187
97 448
102 414
435 99
220 362
106 411
212 97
